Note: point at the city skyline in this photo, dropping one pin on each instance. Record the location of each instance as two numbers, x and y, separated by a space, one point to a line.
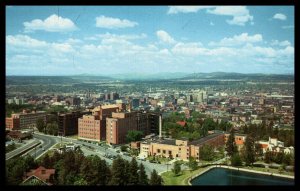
70 40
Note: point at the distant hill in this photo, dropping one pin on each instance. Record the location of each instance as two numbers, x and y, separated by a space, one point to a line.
237 76
143 76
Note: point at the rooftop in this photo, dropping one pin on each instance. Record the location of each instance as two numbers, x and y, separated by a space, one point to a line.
204 139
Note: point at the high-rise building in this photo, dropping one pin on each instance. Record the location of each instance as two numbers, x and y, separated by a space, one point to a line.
135 103
118 126
68 123
93 127
89 128
152 122
114 96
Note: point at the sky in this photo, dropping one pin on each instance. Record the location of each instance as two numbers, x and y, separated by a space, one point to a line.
104 40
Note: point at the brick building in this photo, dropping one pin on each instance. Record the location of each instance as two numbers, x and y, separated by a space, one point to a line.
68 123
93 127
12 123
180 148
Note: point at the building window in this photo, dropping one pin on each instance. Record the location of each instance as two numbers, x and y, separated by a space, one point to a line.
158 150
170 152
164 151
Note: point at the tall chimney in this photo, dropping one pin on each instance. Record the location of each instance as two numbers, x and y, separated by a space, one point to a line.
160 127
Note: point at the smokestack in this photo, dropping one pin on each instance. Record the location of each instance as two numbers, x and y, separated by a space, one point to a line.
160 127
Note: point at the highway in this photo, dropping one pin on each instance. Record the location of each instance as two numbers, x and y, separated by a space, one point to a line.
47 143
22 149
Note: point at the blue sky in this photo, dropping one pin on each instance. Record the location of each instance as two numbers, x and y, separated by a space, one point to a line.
65 40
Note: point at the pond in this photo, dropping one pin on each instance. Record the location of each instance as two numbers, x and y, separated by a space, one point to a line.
222 176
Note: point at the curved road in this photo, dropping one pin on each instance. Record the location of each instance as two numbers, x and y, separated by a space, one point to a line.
47 143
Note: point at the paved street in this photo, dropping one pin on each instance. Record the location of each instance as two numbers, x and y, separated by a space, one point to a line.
47 142
22 149
98 150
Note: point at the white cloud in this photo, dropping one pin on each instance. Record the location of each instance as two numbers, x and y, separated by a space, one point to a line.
186 9
24 41
288 27
53 23
240 14
211 23
163 36
238 40
282 43
113 23
189 49
279 16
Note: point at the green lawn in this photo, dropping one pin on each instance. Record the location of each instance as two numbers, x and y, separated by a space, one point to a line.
270 170
73 136
182 179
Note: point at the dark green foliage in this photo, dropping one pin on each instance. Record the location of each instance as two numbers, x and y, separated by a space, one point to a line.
118 172
207 152
124 148
176 168
133 174
134 136
230 144
155 179
143 178
192 164
14 108
249 155
52 128
15 169
236 160
40 124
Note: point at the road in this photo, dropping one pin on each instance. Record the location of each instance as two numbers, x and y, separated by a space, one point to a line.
22 149
47 143
97 150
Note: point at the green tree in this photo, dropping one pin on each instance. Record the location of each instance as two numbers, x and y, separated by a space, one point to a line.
80 181
231 147
40 124
143 178
192 164
268 157
133 174
134 136
118 172
287 158
249 150
176 168
207 153
155 179
124 148
46 161
236 160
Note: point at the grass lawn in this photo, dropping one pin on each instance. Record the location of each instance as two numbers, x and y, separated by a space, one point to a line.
73 136
182 179
270 170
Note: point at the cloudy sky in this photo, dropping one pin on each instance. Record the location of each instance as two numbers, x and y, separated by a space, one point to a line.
65 40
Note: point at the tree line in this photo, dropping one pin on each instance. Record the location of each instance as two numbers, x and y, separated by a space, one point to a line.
73 168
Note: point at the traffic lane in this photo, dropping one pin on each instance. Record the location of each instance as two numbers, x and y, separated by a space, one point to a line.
148 166
21 149
47 142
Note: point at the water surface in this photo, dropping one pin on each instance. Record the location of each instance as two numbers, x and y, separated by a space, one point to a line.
222 176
